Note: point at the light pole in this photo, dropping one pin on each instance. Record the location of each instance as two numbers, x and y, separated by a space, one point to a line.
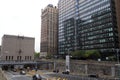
117 55
68 62
118 65
36 67
55 69
55 57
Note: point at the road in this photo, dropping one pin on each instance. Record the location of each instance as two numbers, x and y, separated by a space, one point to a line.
16 76
47 76
21 77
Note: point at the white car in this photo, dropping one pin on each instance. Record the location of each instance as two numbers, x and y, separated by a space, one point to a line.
22 72
37 77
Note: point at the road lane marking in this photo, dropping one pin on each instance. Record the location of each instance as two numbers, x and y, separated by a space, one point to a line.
57 78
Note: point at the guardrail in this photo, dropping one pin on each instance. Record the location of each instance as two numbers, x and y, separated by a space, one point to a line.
23 62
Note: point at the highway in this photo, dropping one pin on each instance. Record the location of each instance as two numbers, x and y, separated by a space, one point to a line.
16 76
21 77
46 76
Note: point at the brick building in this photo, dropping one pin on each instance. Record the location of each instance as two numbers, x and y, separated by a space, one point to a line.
49 25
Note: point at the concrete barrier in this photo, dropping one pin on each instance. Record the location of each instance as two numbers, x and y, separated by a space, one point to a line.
2 75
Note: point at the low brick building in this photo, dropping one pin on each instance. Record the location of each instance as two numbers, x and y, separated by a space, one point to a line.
17 48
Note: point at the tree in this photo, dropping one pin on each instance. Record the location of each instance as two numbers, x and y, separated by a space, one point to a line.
36 55
78 54
86 54
49 56
92 54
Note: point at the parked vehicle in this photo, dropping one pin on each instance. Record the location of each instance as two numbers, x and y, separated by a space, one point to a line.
22 72
37 77
93 75
14 70
56 71
66 72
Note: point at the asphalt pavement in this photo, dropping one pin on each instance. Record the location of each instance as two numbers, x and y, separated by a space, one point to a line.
46 76
21 77
16 76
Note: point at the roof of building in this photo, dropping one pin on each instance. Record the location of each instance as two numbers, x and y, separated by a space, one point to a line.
17 36
50 5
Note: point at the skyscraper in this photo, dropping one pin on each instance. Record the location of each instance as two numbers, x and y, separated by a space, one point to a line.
88 25
49 28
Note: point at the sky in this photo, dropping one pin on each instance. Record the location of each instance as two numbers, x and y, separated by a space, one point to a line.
22 17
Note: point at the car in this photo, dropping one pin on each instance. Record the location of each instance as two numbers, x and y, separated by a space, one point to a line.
37 77
93 75
14 70
56 71
22 72
65 72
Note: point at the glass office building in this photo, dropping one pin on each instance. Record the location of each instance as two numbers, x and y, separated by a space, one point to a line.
88 25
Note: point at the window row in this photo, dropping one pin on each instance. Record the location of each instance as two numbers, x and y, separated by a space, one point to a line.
18 58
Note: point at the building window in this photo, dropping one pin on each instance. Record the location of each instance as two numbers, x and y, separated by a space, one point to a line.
6 57
9 57
25 57
17 57
20 57
30 57
12 57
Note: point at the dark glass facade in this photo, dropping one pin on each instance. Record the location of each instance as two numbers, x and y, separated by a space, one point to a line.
69 33
93 26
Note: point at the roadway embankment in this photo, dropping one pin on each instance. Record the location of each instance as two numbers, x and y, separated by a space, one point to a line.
2 75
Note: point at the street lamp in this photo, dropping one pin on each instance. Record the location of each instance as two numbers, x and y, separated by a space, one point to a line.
55 62
117 55
68 61
55 69
117 50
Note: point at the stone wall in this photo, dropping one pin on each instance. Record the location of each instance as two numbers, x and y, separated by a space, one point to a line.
102 69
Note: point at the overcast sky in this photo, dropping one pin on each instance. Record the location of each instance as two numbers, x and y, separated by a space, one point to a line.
22 17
